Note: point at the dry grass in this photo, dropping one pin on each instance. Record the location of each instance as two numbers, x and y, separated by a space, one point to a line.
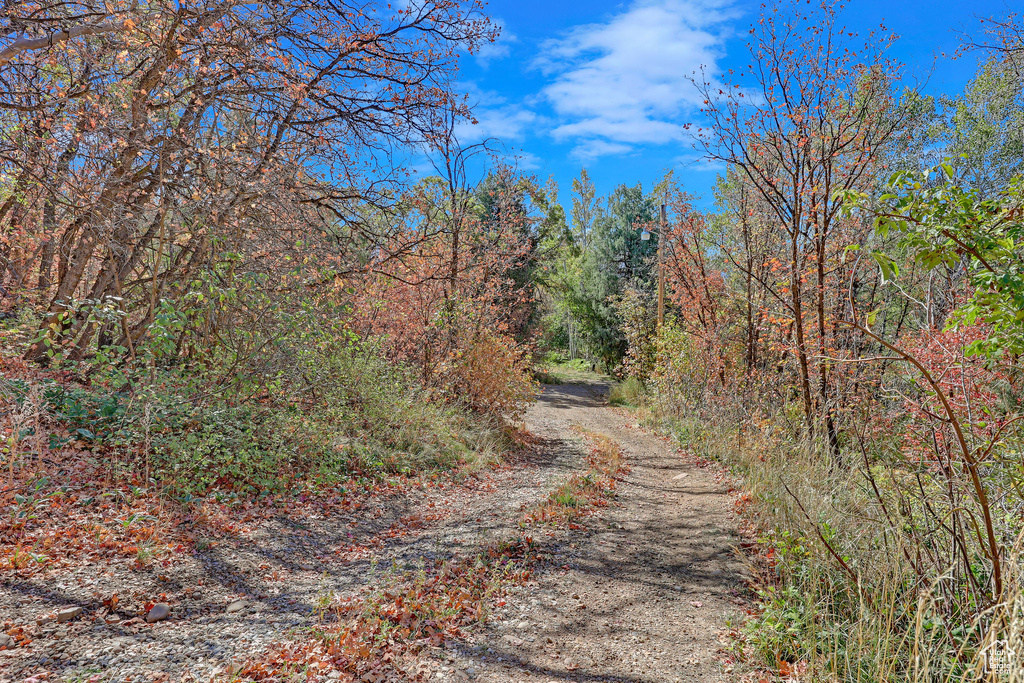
582 493
841 597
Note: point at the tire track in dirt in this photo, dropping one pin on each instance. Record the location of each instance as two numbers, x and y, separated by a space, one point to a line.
645 595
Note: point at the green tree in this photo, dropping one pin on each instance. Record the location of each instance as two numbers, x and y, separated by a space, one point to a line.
983 129
532 211
942 224
615 256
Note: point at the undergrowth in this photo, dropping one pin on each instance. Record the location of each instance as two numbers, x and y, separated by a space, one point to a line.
629 392
840 596
557 369
344 412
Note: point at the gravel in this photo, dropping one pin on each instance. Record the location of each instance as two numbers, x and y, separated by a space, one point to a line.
279 572
623 610
649 589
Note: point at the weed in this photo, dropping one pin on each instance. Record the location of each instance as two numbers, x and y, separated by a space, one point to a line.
566 498
627 393
127 521
144 554
556 370
28 507
344 412
838 593
85 675
582 493
782 626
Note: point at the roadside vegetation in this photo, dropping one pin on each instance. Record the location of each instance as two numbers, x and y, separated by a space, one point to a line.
556 368
211 315
843 332
219 289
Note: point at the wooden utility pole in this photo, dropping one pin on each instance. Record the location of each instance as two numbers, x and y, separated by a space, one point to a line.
661 268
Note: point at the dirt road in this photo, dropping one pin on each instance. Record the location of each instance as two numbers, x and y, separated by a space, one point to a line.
647 593
641 593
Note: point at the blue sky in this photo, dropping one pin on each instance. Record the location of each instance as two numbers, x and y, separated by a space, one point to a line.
603 85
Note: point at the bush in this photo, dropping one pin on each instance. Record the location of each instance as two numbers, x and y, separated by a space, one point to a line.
881 613
379 414
627 393
555 357
242 447
492 377
325 415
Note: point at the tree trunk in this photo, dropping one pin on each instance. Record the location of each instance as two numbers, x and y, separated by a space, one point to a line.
798 321
830 427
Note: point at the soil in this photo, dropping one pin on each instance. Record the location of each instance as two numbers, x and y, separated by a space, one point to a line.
647 591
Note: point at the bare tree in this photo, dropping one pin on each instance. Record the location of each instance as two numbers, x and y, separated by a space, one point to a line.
812 125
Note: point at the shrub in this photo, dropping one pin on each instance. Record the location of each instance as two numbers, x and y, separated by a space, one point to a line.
491 376
627 393
331 413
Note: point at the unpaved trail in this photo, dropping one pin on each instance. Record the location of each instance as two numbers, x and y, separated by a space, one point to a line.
647 593
642 593
282 569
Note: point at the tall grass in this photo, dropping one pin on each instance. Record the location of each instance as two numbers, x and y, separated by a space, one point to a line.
844 589
629 392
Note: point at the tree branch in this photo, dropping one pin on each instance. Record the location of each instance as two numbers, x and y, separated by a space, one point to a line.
25 44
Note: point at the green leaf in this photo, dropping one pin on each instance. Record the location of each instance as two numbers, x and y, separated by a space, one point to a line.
890 271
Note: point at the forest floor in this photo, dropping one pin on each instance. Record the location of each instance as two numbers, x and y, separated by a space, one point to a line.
647 588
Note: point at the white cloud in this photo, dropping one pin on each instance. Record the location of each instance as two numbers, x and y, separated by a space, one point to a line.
625 82
496 117
499 49
588 150
505 122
